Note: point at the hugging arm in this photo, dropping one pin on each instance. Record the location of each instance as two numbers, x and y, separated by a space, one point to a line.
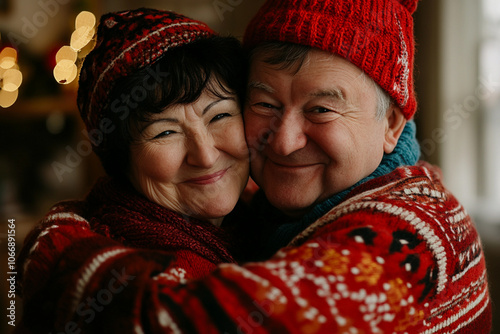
400 255
68 271
376 263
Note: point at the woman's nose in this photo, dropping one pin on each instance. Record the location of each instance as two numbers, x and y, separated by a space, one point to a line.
202 151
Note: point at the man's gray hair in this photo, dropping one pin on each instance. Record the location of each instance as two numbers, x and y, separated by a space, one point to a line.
383 101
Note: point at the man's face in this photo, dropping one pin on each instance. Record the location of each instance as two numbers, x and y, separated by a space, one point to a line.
311 133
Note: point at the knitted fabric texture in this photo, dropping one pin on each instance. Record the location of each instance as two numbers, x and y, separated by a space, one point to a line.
399 255
375 35
115 213
126 42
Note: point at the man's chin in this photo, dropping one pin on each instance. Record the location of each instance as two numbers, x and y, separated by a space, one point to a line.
291 207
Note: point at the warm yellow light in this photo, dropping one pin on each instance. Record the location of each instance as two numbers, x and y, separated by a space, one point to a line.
81 37
66 52
85 19
8 98
12 79
8 58
65 71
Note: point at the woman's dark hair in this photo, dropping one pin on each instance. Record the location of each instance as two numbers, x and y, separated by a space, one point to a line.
178 77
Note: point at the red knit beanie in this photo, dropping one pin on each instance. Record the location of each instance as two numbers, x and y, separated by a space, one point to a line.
375 35
126 42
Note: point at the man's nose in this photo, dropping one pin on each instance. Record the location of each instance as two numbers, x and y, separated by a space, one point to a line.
202 150
288 135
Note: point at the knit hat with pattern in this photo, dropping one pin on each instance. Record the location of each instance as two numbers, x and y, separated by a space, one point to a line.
375 35
126 42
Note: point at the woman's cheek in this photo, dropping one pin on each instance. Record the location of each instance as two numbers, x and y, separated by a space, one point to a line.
236 136
162 162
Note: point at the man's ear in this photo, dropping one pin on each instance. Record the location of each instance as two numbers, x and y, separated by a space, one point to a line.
395 124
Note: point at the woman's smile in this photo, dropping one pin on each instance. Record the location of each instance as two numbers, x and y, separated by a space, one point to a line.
208 178
193 158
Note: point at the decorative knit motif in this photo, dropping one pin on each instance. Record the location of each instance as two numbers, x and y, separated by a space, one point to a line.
376 263
128 41
399 255
375 35
418 211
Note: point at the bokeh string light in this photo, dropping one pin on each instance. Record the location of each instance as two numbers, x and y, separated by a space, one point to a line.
66 68
10 77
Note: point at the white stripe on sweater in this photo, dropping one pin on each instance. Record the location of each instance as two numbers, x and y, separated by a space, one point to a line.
65 216
90 270
54 218
165 320
138 329
463 272
483 297
456 298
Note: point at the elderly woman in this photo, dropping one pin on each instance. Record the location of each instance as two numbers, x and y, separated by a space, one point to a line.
163 92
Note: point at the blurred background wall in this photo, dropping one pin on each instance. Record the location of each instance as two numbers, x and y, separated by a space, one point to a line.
457 81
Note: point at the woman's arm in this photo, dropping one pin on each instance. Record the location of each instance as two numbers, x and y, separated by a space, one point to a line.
61 261
370 266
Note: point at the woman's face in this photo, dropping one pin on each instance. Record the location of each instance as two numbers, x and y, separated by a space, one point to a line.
193 158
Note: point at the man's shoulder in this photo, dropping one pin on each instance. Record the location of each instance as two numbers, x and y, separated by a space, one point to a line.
420 175
409 224
409 194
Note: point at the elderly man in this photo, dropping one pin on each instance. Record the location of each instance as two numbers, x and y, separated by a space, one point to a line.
356 236
328 122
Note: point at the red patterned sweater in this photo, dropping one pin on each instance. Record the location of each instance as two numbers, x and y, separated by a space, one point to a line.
399 255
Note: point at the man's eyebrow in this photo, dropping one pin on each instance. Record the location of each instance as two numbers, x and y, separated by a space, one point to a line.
261 86
332 93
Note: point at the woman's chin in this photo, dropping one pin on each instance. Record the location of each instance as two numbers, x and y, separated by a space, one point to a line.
217 210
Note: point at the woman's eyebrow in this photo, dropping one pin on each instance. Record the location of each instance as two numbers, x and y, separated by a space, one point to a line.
176 121
207 108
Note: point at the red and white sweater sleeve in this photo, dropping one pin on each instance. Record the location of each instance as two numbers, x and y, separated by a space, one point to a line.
68 269
393 259
400 257
346 280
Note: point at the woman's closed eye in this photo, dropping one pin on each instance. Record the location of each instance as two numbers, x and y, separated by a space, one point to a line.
164 134
220 116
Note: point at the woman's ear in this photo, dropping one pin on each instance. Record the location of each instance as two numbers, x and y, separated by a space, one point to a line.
396 122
